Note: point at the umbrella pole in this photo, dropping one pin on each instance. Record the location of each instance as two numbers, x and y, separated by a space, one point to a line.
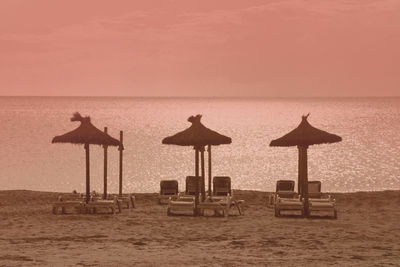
299 172
209 169
121 148
196 198
105 168
203 184
196 162
304 178
87 173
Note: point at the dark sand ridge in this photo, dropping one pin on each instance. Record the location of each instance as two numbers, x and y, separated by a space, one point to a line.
367 233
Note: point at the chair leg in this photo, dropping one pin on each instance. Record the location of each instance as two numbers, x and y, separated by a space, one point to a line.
277 212
238 208
132 201
119 206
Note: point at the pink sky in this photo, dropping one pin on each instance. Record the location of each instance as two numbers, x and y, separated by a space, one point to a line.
200 48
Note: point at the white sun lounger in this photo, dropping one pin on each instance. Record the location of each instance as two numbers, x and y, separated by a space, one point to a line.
322 205
181 205
284 189
168 189
111 205
317 201
289 204
63 205
222 191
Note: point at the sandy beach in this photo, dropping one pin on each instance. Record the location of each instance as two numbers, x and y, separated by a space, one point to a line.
367 233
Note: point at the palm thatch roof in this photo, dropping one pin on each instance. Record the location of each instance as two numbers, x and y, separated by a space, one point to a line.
86 133
197 135
305 135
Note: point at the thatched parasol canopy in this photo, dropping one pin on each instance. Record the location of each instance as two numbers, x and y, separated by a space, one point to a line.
86 133
197 135
305 135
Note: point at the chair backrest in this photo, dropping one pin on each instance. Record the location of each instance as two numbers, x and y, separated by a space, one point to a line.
222 186
191 185
168 187
314 189
284 185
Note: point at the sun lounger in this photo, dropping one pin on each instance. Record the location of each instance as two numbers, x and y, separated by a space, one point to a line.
322 205
63 205
284 189
110 205
124 201
181 205
219 207
314 189
319 203
168 189
222 186
127 201
222 191
190 185
289 204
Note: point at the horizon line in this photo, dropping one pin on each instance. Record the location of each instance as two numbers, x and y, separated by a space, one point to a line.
198 97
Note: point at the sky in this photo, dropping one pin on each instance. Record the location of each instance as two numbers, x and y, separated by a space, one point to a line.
207 48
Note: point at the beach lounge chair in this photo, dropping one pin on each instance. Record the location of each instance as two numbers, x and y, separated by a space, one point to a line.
222 186
183 204
63 205
319 203
220 206
284 189
314 189
223 193
322 205
127 201
111 205
168 189
190 185
289 204
190 188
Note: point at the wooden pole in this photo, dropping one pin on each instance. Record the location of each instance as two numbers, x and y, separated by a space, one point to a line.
87 173
304 177
209 169
196 162
203 183
299 172
196 198
105 168
121 149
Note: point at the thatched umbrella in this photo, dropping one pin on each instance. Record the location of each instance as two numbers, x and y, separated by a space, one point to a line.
86 134
198 136
303 136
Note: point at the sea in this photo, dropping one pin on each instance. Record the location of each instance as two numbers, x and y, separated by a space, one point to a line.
367 159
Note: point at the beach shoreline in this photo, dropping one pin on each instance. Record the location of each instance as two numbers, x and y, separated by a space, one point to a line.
366 233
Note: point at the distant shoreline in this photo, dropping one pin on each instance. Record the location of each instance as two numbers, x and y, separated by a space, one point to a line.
208 97
234 190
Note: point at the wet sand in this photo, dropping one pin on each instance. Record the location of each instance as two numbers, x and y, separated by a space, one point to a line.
367 233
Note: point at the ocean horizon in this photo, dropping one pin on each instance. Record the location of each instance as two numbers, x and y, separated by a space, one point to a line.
366 159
